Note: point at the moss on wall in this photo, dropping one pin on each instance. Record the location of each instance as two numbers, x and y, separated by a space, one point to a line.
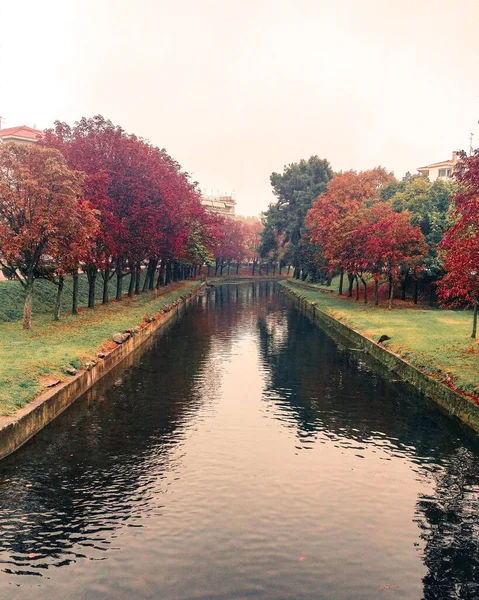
452 401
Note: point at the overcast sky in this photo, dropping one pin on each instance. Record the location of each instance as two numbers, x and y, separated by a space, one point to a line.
236 89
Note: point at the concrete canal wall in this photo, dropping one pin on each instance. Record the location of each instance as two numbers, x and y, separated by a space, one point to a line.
29 420
452 401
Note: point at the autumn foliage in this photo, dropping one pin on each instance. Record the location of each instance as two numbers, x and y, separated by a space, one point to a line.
92 197
460 286
359 234
149 209
44 221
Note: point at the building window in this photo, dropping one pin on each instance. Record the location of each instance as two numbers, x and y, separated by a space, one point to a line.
442 173
449 172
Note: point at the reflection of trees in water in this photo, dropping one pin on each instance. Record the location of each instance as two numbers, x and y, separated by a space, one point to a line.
98 465
450 523
343 393
332 391
96 468
123 434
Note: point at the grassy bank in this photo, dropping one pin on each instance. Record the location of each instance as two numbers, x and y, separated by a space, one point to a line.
12 295
49 348
436 341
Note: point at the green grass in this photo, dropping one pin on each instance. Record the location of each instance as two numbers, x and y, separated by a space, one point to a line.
51 347
435 340
44 295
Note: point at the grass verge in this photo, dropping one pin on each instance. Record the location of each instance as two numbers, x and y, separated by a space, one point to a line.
44 295
434 340
50 347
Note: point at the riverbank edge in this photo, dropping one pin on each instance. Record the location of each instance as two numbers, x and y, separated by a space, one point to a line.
17 429
451 400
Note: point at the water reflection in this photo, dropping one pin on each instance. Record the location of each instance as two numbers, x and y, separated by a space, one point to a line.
345 400
450 523
91 471
240 443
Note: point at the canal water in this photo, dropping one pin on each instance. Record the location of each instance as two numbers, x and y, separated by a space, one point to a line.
243 455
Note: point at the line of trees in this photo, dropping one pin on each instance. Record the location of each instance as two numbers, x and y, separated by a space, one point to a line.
361 235
370 228
91 197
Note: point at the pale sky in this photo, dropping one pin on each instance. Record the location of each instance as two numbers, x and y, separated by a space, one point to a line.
236 89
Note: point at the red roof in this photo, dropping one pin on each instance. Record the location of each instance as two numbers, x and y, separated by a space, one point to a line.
21 131
444 163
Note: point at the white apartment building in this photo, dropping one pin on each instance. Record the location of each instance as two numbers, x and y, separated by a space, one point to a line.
222 205
439 170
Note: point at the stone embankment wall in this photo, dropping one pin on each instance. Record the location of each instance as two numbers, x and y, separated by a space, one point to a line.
29 420
454 402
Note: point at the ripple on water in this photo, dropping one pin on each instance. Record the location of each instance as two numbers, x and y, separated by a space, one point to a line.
243 456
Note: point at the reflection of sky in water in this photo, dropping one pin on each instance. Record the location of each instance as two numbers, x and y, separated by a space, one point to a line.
243 456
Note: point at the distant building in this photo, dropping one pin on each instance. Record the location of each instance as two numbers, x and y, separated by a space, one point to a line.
222 205
20 135
440 170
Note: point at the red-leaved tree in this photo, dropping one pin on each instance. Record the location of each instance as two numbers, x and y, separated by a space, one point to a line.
460 286
40 213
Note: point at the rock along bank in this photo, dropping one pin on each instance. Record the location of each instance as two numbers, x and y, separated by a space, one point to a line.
17 429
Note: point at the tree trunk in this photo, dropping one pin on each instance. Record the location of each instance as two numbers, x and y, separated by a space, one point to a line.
431 294
391 293
341 279
237 268
27 307
350 287
404 286
131 287
148 275
416 289
229 267
357 287
161 274
58 301
208 267
365 290
289 269
376 292
254 267
91 273
138 278
474 322
75 292
149 283
106 280
280 268
119 280
168 275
